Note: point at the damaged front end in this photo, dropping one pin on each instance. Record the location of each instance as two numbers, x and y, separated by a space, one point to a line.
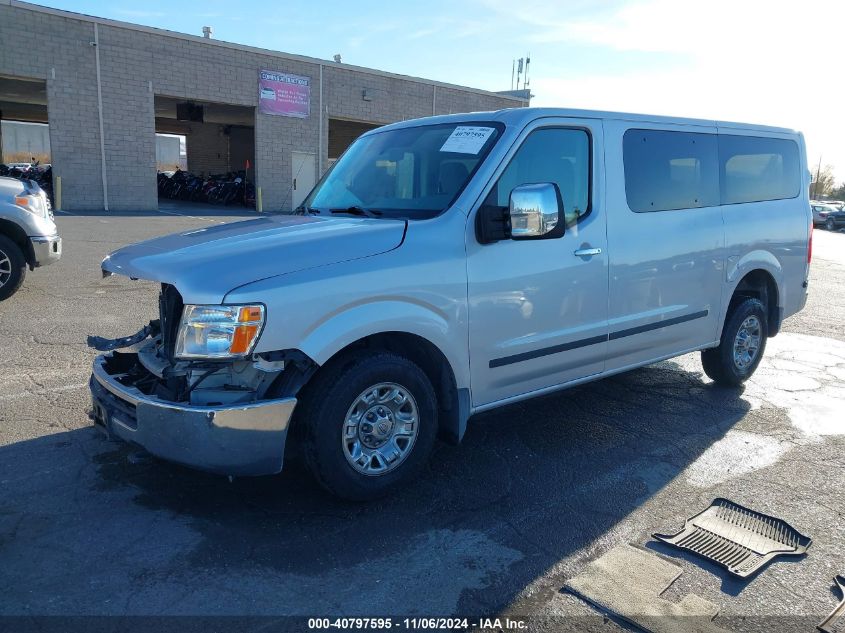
226 415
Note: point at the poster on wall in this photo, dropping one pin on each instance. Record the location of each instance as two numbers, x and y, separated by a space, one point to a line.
283 94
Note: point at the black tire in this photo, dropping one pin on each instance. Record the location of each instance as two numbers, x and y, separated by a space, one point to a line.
322 410
719 362
12 267
830 225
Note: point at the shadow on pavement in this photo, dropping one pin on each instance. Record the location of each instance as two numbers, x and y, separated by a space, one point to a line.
85 530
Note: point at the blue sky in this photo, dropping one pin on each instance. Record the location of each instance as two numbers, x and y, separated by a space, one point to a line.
761 61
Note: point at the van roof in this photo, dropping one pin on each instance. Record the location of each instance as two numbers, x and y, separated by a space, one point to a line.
517 116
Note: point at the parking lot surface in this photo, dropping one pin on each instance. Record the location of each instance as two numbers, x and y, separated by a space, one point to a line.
494 527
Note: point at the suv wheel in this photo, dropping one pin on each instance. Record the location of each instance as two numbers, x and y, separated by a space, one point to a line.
742 345
12 267
830 225
370 420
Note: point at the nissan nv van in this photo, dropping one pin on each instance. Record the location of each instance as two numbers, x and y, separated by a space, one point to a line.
451 265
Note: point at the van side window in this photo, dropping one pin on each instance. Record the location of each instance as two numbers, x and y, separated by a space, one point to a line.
670 170
754 169
557 155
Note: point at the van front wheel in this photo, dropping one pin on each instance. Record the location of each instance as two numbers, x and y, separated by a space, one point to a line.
370 421
741 347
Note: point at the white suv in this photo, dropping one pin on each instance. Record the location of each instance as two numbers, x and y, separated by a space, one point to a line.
28 235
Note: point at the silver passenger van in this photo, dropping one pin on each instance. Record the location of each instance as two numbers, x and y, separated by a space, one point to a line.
450 265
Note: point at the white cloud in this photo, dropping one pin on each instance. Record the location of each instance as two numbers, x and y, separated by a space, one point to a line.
744 60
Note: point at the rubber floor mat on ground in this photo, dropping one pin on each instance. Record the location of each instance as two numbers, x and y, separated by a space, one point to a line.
627 582
737 538
835 622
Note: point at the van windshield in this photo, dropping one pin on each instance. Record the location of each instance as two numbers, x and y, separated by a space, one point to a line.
413 173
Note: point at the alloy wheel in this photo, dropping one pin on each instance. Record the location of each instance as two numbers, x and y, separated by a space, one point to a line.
747 342
380 428
5 268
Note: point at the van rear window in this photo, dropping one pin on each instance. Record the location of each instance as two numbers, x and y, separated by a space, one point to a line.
670 170
754 169
684 170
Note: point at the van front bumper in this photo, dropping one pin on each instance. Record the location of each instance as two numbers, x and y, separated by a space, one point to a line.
45 249
242 439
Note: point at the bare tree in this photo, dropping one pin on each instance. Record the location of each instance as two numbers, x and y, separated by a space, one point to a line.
823 182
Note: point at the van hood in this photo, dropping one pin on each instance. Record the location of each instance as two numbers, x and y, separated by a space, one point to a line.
208 263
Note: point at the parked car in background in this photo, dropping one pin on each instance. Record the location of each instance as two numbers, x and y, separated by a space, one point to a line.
28 236
835 221
828 215
449 266
820 212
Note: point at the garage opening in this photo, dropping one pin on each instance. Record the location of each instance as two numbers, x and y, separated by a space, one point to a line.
24 131
205 153
341 134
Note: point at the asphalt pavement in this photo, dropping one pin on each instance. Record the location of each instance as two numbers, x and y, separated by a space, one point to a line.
493 528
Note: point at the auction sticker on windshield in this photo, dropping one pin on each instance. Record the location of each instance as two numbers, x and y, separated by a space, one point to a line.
467 139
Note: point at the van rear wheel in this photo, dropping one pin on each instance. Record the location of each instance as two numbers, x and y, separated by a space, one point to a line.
741 347
370 421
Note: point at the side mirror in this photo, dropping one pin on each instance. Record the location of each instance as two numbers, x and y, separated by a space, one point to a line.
536 211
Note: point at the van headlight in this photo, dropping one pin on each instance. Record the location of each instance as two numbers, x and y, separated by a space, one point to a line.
218 331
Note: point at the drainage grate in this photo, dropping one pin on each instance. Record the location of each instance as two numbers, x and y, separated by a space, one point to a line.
739 539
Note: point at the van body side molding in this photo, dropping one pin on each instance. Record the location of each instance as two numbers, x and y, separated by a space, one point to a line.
546 351
593 340
658 324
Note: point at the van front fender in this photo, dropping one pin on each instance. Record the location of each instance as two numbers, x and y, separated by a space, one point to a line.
352 323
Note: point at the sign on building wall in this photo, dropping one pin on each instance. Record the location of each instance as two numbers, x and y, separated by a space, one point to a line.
284 95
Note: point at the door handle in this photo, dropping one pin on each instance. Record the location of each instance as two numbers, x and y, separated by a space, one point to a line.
587 252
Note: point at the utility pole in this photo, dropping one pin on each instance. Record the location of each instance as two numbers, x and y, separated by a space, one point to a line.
818 175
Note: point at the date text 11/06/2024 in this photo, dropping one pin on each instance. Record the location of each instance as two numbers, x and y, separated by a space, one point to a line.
417 624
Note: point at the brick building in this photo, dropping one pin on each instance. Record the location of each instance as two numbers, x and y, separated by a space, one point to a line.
106 88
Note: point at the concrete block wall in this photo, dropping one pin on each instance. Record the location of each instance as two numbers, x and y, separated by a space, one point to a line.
452 101
128 123
390 99
276 138
242 147
342 133
64 58
137 63
208 149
